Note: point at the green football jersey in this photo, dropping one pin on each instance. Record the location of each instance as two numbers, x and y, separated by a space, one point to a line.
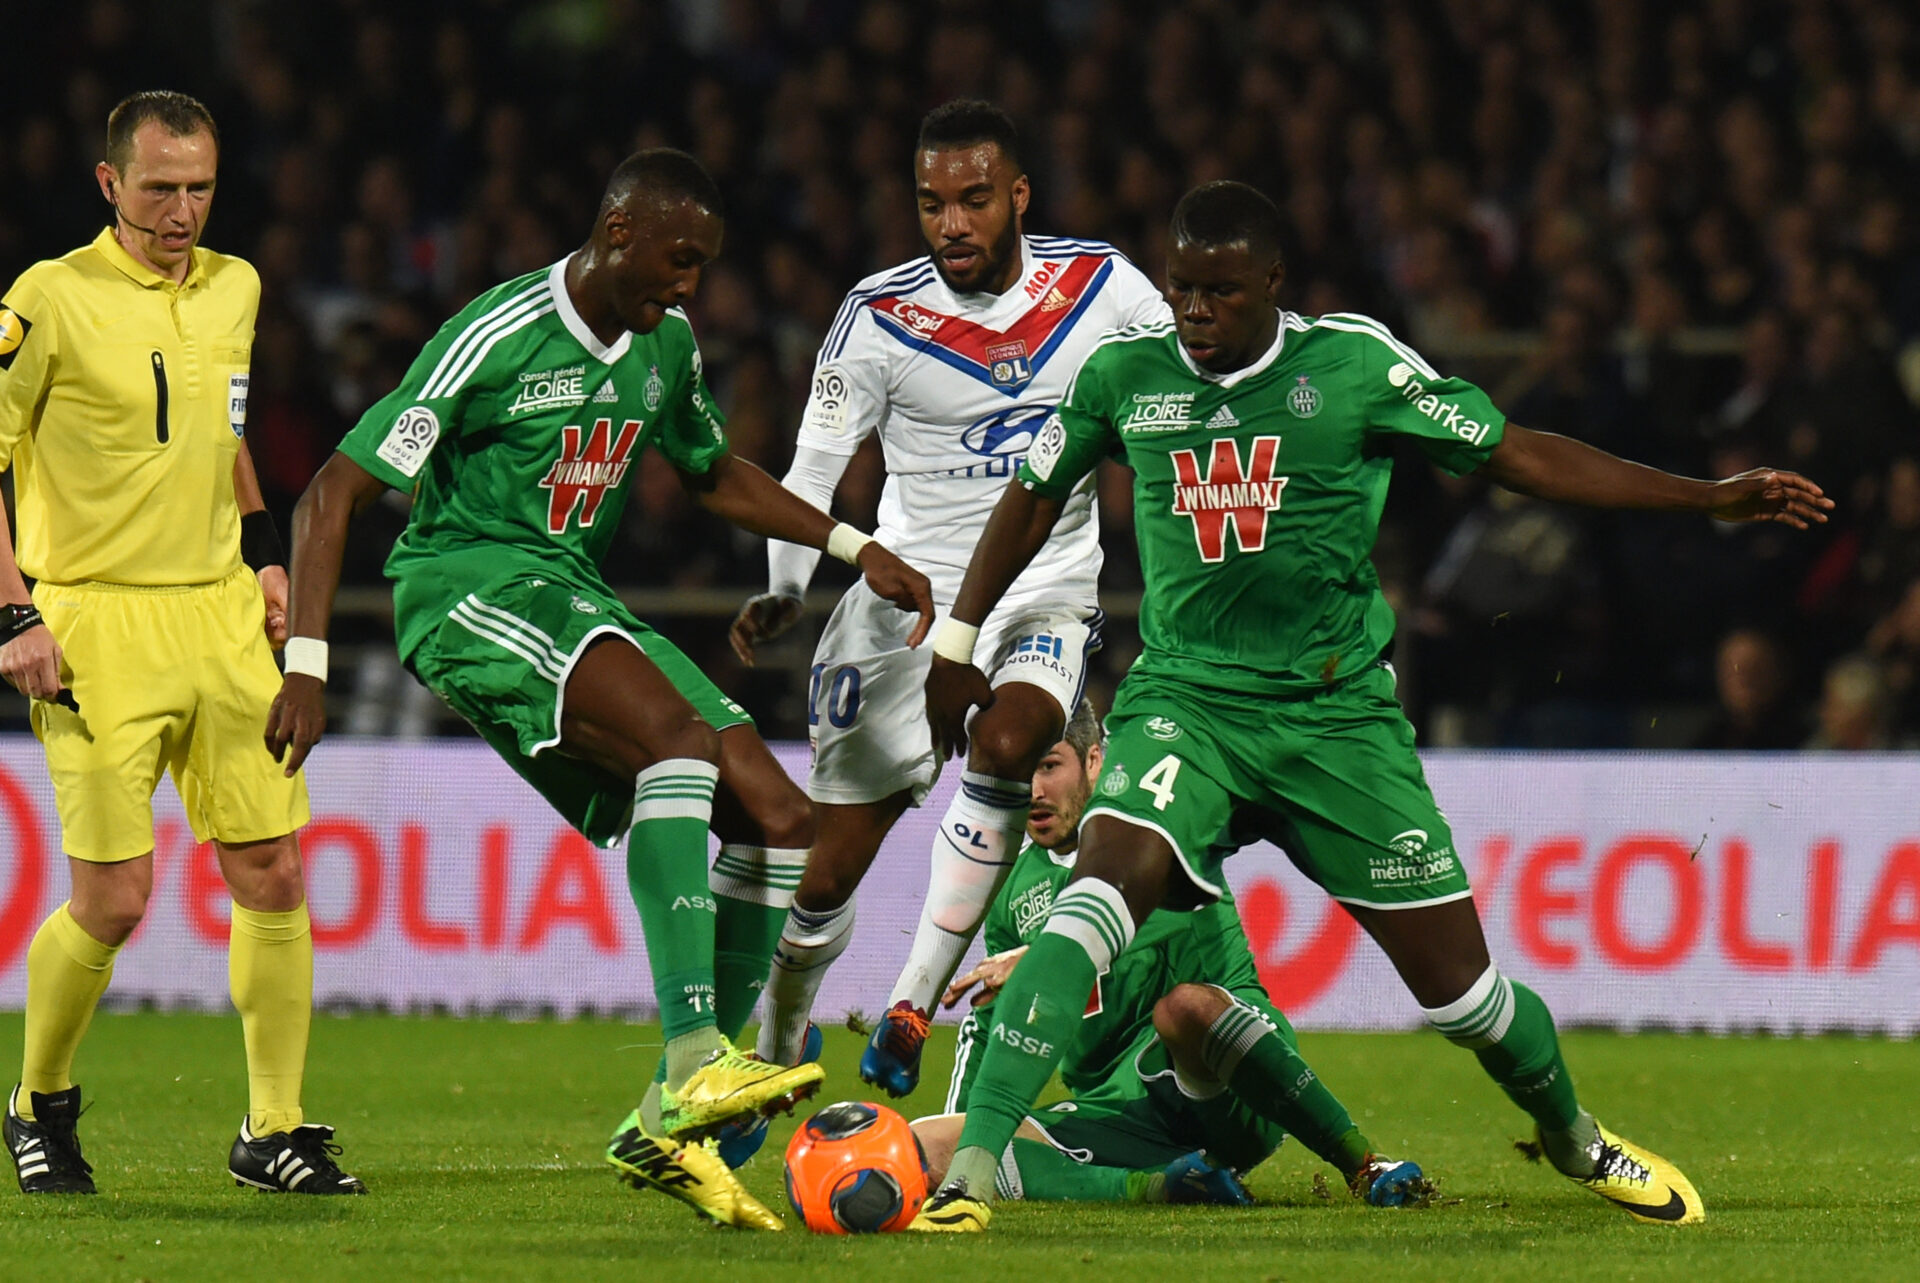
1204 947
1257 494
517 431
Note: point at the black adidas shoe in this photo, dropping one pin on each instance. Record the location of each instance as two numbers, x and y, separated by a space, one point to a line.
46 1151
295 1162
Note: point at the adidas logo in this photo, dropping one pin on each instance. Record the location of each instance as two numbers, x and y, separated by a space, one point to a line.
606 393
1223 418
1055 300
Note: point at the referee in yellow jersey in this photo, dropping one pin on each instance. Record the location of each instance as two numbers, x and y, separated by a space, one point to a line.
145 643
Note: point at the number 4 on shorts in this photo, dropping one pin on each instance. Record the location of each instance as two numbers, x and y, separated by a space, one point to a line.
1159 781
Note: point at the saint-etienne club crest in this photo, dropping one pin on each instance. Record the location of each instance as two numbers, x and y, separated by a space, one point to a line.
1304 400
654 389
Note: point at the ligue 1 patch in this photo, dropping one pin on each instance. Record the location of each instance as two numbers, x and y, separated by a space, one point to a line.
827 407
1304 400
1164 729
1047 448
1114 781
237 403
13 332
655 388
410 440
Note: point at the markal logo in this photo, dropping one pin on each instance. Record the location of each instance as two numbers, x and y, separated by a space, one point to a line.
1412 842
1445 413
1164 729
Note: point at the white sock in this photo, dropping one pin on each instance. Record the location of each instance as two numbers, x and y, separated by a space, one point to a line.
808 945
977 844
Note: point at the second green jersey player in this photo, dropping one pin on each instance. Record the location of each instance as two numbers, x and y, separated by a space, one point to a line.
1182 1071
517 430
1261 447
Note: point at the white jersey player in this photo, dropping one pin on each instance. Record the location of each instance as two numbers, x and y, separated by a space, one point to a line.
956 360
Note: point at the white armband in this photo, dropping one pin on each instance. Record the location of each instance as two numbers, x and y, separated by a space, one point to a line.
306 655
955 641
845 543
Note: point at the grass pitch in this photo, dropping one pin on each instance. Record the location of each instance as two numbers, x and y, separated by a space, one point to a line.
481 1140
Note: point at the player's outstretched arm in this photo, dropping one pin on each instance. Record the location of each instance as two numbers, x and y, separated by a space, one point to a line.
1548 466
814 476
741 493
338 492
1016 532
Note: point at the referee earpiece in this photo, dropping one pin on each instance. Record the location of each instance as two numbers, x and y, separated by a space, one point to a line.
113 199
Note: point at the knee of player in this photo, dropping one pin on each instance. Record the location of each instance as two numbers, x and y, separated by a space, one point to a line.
691 740
1183 1016
111 914
1006 745
788 819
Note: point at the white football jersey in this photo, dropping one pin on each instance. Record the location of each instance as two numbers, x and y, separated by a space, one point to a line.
958 385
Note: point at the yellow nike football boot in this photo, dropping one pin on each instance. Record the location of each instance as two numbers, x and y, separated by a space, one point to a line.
1642 1183
689 1171
952 1211
732 1084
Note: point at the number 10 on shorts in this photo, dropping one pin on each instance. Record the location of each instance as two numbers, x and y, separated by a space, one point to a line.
841 692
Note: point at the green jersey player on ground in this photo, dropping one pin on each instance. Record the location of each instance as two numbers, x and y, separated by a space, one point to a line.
1182 1072
1260 443
517 430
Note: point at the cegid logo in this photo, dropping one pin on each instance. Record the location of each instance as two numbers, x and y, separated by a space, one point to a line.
917 319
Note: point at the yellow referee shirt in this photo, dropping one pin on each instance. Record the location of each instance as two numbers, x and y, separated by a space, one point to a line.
123 397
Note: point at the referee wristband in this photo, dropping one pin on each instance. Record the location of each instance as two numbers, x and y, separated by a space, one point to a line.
307 655
954 640
845 543
260 544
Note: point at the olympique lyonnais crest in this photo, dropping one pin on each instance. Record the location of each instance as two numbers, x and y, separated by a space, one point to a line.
1007 363
1229 490
1304 400
584 472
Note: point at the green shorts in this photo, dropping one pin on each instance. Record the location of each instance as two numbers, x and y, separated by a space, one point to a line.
1140 1119
501 659
1332 779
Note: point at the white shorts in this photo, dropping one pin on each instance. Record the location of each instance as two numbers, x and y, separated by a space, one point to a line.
867 703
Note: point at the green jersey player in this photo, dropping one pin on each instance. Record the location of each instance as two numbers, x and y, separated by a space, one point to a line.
1182 1071
517 430
1260 443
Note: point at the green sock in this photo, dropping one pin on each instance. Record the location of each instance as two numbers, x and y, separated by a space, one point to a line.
1039 1012
1511 1032
1042 1173
667 873
752 887
1254 1051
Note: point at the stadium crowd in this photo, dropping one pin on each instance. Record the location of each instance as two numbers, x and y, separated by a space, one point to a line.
1703 220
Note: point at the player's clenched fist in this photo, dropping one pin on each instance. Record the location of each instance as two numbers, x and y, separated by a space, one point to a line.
297 719
953 691
899 583
31 663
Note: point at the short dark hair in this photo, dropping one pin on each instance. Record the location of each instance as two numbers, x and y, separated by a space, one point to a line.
968 122
1084 729
666 174
1228 213
179 114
